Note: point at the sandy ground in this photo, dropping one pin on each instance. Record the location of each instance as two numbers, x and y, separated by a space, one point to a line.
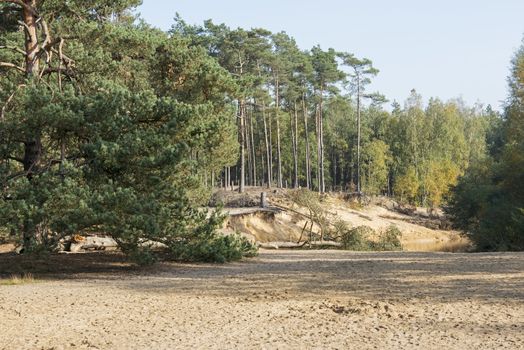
280 300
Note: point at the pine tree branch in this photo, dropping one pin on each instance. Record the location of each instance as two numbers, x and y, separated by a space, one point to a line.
19 160
45 29
11 65
2 112
26 27
17 175
13 48
62 70
22 4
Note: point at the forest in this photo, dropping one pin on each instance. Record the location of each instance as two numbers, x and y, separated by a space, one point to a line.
110 125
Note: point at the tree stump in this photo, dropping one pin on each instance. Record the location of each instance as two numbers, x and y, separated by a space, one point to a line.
263 200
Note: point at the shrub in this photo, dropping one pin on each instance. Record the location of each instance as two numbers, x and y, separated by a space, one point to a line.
389 240
221 249
4 235
317 212
357 238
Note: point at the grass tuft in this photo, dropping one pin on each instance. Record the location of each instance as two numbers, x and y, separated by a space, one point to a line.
15 280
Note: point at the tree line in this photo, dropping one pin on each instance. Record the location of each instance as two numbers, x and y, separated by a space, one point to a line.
305 119
110 125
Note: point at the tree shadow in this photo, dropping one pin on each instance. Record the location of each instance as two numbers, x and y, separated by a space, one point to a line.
64 266
493 277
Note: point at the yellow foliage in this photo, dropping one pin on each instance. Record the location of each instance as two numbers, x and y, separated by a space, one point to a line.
440 176
406 187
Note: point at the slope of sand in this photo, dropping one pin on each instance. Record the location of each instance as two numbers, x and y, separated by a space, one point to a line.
279 224
279 300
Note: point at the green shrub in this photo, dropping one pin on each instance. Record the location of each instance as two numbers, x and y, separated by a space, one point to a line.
4 235
389 240
220 249
357 238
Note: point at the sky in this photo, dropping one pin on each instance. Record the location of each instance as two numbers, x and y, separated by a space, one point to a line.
442 48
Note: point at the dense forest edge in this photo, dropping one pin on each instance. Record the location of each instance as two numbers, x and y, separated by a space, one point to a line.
108 125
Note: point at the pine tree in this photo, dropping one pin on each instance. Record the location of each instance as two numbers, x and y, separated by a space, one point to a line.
105 128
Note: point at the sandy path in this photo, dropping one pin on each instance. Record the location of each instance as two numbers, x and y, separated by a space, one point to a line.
280 300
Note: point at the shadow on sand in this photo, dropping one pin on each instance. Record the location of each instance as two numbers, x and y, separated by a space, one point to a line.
488 276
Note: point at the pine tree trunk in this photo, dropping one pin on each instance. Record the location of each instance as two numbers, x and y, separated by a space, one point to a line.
32 47
253 151
229 180
270 134
322 184
248 148
279 153
242 141
294 135
306 137
358 136
241 131
334 160
33 144
317 126
268 145
263 168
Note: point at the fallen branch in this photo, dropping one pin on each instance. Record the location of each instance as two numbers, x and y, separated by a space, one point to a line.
292 245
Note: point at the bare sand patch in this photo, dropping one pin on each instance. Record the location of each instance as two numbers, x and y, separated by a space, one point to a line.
280 300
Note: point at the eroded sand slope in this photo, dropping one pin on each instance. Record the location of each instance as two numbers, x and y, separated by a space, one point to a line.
282 223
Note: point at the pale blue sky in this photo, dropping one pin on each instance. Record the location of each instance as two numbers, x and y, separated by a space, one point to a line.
443 48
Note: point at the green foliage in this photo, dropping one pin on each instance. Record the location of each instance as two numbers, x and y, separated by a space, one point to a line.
357 238
122 136
401 151
364 238
142 256
487 201
407 186
485 211
118 143
440 176
388 240
214 248
375 158
4 235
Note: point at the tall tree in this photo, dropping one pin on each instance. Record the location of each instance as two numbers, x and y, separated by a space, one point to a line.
289 60
109 131
326 75
362 70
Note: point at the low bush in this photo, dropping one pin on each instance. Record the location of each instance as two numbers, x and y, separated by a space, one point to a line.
221 249
357 238
389 240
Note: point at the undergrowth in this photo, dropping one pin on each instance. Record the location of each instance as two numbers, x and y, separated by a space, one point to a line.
359 239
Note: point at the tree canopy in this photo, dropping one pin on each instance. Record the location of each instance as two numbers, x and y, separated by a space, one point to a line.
111 126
